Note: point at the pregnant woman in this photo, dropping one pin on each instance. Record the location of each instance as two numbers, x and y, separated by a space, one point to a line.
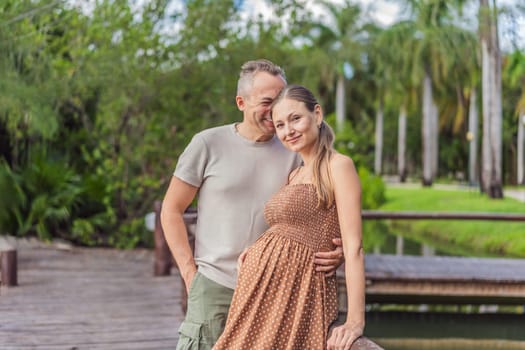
280 301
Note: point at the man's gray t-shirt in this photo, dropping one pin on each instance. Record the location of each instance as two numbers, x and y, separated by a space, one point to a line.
236 177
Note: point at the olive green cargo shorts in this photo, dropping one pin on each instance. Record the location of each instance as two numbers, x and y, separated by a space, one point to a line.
208 305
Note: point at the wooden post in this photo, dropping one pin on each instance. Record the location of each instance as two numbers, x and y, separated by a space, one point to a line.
8 275
163 259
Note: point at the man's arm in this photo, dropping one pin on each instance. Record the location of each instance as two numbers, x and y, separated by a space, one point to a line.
330 261
178 197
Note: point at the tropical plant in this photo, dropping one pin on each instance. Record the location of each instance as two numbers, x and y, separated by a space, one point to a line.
436 44
339 44
43 196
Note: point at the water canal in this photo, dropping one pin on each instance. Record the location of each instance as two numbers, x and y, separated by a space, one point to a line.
440 327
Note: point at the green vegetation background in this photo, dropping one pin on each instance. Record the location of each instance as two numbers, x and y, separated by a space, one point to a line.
96 105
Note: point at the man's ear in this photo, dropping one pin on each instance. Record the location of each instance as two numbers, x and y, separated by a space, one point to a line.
239 100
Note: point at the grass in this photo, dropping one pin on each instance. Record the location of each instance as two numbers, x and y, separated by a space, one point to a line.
458 237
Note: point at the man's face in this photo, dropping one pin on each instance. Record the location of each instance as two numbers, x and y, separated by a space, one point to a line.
256 104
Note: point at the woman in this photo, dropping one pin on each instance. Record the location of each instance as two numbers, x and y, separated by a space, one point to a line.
281 302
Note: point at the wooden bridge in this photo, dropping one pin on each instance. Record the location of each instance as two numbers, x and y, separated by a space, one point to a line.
71 298
80 298
444 280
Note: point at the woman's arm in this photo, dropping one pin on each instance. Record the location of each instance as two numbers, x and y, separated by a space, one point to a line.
347 189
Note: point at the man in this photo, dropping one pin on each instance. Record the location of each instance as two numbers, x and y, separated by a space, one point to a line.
235 169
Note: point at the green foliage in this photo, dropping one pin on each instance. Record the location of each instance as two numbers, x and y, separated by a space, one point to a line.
375 233
354 140
114 95
373 195
132 234
45 194
11 200
48 199
350 142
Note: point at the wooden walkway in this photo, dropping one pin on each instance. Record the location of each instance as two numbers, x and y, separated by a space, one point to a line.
80 298
96 299
444 279
89 299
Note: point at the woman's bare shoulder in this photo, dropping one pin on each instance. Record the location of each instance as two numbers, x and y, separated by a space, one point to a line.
340 162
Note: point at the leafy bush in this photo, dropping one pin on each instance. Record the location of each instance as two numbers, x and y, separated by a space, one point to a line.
373 189
375 232
11 200
48 199
354 141
41 200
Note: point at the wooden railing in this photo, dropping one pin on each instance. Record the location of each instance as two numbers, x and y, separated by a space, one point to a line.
8 264
413 215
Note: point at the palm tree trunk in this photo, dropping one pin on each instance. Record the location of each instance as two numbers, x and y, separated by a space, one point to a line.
379 138
496 185
340 102
473 139
486 155
401 143
492 109
435 136
426 131
521 155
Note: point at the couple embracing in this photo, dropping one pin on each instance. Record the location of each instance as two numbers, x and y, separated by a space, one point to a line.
278 208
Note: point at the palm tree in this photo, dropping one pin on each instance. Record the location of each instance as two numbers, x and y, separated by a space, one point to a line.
390 69
401 84
462 76
434 40
515 75
491 180
342 45
378 67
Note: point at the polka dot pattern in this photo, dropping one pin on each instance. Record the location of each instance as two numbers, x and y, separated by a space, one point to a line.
281 302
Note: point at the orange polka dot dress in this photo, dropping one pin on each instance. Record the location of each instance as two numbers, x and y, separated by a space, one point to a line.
281 302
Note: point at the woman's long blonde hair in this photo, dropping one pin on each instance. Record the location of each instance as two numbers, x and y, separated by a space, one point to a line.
322 179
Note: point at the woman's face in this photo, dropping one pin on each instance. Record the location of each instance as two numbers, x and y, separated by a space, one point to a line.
295 125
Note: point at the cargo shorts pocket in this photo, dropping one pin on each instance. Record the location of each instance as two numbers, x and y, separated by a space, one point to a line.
189 336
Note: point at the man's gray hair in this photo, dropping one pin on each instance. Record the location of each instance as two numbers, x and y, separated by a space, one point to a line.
250 68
